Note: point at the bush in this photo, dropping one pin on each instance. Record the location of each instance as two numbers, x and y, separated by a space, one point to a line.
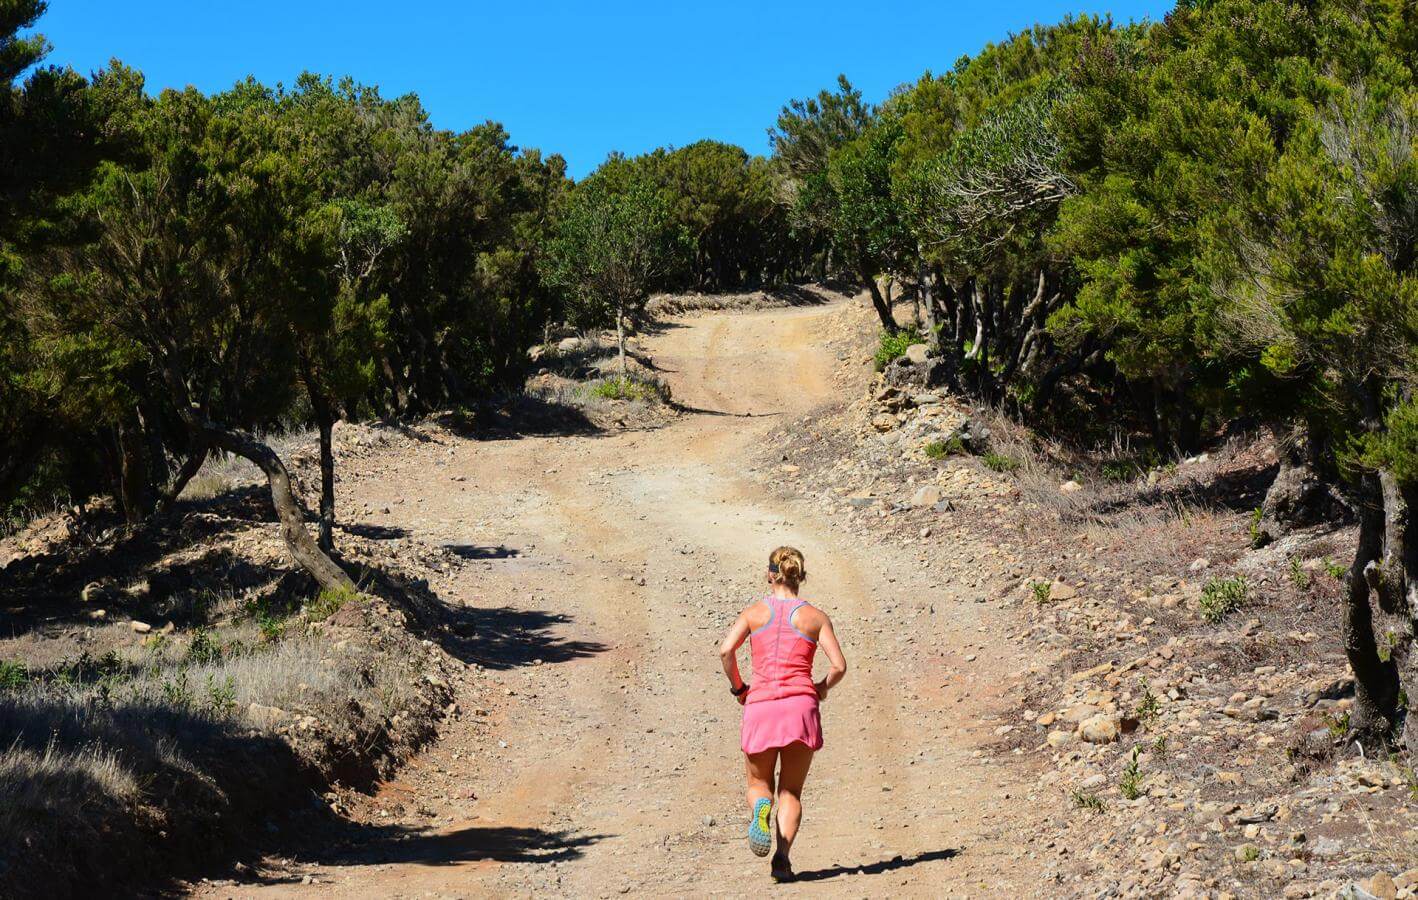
629 388
893 346
1223 596
942 449
328 603
998 462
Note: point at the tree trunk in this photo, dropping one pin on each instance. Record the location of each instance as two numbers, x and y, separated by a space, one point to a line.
133 476
326 539
883 308
302 547
189 469
1298 497
620 341
1375 679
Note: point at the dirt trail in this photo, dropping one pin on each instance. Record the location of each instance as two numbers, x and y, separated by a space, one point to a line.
607 762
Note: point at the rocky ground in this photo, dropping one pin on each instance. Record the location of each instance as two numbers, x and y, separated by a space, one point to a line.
1187 748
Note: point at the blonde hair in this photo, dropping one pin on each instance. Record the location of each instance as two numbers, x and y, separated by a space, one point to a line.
786 567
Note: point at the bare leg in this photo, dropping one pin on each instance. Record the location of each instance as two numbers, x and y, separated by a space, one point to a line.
760 775
795 760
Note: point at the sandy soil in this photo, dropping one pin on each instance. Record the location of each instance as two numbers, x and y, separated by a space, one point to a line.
597 753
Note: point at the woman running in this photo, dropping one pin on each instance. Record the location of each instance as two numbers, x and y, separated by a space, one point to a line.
781 726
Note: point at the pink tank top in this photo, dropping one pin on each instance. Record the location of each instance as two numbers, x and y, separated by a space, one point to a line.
782 655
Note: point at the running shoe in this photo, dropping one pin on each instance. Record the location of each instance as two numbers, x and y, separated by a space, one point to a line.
760 834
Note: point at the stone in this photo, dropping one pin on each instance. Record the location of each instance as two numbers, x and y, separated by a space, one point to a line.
93 592
1059 739
140 627
568 345
1381 885
265 716
926 495
1100 729
883 422
1247 853
917 354
1070 487
1061 591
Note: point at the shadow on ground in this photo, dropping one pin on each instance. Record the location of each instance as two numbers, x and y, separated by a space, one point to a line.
356 844
877 868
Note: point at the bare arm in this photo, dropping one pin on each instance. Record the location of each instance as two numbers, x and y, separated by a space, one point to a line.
827 640
729 650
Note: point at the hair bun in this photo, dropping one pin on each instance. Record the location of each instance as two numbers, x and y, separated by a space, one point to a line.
787 567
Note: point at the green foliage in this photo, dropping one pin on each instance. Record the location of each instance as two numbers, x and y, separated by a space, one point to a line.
1334 570
1148 706
892 345
629 388
1159 746
1130 784
1086 800
13 675
1299 577
204 649
1222 596
998 462
940 449
1041 591
221 698
328 602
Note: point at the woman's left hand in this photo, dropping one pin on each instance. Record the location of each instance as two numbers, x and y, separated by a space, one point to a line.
821 689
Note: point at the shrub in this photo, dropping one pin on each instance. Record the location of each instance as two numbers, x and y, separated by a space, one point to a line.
998 462
1223 596
941 449
893 346
1148 707
328 602
628 388
1042 590
1086 800
13 675
1131 783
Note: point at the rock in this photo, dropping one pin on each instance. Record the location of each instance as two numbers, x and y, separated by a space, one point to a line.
265 716
568 345
1380 885
927 495
883 422
1062 591
709 821
917 354
140 627
1070 487
1058 739
1198 564
93 592
1100 729
1247 853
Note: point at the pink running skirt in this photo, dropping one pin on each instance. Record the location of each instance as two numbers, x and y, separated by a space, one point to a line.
769 724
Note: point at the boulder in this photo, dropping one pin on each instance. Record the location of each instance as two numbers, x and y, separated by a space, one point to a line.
926 495
884 422
917 354
1100 729
568 345
1070 487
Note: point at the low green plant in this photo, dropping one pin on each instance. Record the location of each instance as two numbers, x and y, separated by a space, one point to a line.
1159 746
204 649
893 345
1298 575
176 690
1338 726
1042 590
221 698
939 449
328 602
1131 782
1148 707
1086 800
626 389
997 462
271 627
1250 853
1256 515
1333 569
1222 596
13 675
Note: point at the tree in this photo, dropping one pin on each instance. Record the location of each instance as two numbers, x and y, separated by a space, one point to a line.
613 240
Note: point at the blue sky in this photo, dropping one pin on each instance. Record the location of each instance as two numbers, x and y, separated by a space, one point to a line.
580 79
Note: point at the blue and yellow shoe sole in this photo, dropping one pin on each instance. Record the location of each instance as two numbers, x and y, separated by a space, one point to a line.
760 831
